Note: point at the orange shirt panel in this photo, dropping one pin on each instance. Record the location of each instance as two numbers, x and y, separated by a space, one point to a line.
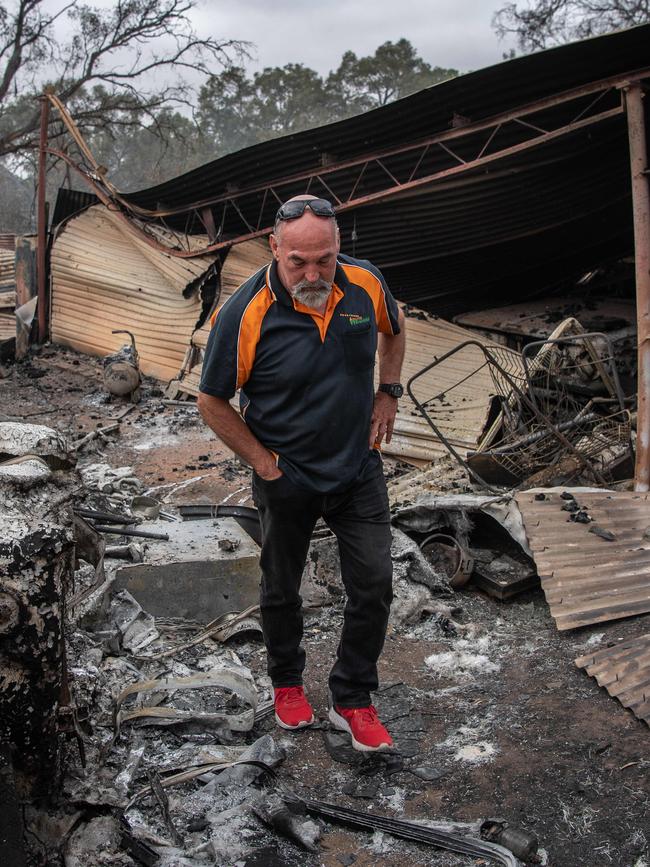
250 328
372 284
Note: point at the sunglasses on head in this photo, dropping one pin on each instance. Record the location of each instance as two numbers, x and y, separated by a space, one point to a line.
293 210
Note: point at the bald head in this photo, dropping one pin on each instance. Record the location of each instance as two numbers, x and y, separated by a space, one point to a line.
303 197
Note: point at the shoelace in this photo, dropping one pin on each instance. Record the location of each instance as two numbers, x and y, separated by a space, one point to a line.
367 715
293 695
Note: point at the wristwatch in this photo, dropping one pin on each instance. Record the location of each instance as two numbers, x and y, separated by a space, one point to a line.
395 389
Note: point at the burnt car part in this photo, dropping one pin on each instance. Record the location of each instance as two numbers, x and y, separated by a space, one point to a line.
442 839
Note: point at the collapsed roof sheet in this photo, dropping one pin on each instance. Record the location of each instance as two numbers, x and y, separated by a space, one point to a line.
624 671
587 578
534 216
471 97
104 278
538 318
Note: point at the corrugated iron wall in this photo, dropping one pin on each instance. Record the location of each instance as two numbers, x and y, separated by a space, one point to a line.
104 277
7 287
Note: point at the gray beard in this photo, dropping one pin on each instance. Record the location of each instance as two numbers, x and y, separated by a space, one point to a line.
312 294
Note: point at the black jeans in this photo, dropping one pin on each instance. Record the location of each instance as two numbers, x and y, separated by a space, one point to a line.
360 519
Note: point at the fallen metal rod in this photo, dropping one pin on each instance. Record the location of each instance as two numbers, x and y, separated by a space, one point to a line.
413 831
106 517
532 438
186 403
126 531
109 428
219 624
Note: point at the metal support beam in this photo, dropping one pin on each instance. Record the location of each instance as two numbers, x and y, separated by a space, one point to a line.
641 215
349 204
41 224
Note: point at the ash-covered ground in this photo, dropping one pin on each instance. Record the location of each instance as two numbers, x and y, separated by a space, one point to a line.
490 715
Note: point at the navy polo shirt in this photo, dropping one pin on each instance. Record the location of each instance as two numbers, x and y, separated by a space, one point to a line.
306 380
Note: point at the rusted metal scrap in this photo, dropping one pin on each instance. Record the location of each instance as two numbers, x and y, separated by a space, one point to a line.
557 404
624 671
587 578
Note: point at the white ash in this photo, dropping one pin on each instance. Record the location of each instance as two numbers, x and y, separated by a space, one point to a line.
396 801
476 754
380 843
594 640
410 603
111 480
26 474
230 832
409 563
468 744
96 842
467 661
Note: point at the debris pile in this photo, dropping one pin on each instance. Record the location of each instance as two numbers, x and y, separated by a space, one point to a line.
558 413
171 755
37 486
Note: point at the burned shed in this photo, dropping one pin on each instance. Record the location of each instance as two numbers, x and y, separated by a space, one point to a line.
500 187
509 210
479 190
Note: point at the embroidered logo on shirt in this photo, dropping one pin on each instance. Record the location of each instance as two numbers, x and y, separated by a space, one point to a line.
356 319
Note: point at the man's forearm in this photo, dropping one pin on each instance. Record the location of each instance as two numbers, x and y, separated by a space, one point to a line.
391 353
233 431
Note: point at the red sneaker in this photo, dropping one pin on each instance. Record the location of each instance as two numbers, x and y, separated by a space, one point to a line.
368 734
292 710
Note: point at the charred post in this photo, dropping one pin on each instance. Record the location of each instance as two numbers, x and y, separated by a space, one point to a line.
641 212
42 222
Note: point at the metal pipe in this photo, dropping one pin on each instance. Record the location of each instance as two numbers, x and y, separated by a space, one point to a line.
41 218
641 215
127 531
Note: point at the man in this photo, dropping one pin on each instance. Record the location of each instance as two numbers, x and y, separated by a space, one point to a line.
299 338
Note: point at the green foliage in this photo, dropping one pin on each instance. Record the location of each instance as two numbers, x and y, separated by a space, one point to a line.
393 71
235 111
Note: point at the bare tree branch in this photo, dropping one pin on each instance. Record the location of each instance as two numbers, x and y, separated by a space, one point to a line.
540 24
109 66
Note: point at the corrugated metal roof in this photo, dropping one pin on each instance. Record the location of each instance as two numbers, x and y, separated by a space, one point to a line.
624 671
521 223
104 277
476 96
585 578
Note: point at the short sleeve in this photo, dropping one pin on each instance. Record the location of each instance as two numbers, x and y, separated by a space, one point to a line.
388 317
386 309
219 373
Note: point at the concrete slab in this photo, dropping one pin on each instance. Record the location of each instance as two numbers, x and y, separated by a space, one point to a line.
192 575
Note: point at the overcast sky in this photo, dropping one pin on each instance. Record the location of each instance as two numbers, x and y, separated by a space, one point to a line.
448 33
